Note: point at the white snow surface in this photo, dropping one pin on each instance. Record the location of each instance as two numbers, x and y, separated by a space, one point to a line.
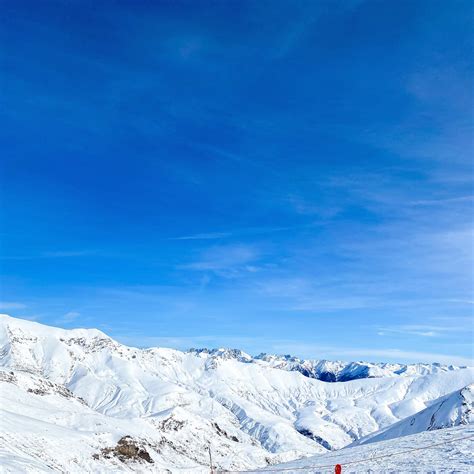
68 395
452 410
443 451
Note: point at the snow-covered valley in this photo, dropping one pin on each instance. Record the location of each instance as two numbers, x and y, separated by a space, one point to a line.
78 401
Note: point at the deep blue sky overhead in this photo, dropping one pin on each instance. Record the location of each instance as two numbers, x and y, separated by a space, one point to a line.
275 176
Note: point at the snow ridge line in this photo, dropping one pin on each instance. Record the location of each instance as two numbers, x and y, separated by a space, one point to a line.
301 468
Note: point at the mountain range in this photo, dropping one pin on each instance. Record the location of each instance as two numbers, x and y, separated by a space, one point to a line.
78 401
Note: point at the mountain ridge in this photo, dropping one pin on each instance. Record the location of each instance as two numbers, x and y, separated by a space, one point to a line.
326 370
250 412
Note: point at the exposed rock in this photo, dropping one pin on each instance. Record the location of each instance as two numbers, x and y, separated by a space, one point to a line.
171 424
224 433
7 377
127 449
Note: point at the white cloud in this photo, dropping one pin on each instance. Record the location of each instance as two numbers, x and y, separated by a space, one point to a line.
69 317
204 236
310 208
246 231
369 354
66 253
411 356
7 305
304 294
468 302
419 330
228 257
434 202
52 254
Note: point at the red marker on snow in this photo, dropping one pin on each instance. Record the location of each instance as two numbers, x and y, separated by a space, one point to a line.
338 469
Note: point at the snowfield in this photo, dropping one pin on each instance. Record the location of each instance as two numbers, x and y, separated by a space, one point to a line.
452 453
452 410
78 401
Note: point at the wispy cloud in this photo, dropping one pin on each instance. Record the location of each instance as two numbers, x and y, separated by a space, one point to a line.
297 23
435 202
419 330
413 356
30 317
370 354
462 301
315 304
67 253
242 232
204 236
71 316
305 294
185 47
9 305
52 254
229 259
310 208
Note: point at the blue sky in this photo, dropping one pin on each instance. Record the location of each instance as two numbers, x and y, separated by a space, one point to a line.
291 177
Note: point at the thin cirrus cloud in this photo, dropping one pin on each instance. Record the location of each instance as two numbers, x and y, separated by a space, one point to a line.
419 330
370 354
309 208
247 231
308 295
462 301
70 316
52 254
228 257
203 236
436 202
67 253
11 305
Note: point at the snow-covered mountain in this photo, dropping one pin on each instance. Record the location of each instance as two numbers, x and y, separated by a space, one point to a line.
452 410
76 400
326 370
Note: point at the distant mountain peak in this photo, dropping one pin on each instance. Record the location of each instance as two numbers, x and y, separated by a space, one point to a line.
322 369
224 353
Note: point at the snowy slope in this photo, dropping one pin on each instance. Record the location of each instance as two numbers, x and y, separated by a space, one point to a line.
451 453
44 426
452 410
252 413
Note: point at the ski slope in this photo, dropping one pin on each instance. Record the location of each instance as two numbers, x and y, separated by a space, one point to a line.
447 450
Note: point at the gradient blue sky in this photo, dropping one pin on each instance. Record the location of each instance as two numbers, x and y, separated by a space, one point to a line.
291 177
